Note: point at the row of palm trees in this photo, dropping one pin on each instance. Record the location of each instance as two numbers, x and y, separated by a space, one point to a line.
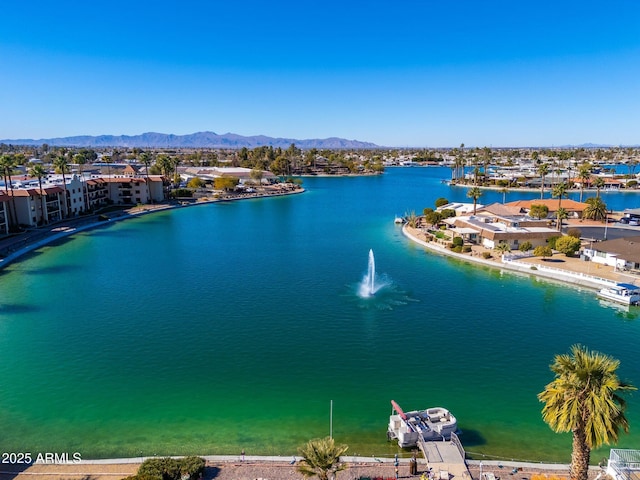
584 398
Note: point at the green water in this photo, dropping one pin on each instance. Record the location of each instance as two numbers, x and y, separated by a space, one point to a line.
217 328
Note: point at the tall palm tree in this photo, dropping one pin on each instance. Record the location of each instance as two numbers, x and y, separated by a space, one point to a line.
584 399
543 170
81 160
598 183
7 163
38 171
584 174
62 166
559 190
475 193
145 158
321 458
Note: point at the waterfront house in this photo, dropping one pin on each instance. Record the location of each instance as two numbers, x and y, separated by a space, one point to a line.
497 223
574 209
621 253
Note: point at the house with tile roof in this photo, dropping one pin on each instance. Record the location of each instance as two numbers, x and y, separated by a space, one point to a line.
497 223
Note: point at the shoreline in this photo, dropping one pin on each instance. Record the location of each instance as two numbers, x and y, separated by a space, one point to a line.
234 467
534 267
71 226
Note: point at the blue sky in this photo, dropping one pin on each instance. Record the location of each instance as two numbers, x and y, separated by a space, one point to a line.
396 73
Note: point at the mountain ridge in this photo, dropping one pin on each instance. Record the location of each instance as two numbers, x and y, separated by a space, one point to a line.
204 139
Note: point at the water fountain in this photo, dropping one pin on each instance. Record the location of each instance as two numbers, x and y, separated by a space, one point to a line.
371 273
368 285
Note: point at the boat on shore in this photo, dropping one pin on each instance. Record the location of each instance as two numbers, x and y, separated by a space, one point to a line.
624 293
410 428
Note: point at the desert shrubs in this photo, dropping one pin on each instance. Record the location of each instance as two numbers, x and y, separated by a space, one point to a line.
170 469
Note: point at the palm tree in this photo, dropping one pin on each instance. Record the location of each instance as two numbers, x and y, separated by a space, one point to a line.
596 209
62 166
584 399
560 190
475 193
7 163
145 158
504 191
598 183
584 174
543 170
81 160
38 171
321 458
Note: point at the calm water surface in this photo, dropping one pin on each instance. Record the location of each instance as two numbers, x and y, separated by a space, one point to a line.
232 326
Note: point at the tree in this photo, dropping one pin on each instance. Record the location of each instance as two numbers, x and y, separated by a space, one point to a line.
38 171
7 164
475 193
584 174
596 209
543 251
502 247
195 182
321 458
525 246
584 398
543 170
145 158
225 183
433 218
598 183
441 202
538 211
560 190
62 166
568 245
256 175
81 161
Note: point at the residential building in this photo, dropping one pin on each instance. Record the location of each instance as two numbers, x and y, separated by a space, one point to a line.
621 253
497 223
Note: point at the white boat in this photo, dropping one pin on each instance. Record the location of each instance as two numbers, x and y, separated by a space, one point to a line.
409 428
398 220
624 293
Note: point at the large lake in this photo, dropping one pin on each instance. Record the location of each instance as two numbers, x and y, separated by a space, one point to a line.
231 326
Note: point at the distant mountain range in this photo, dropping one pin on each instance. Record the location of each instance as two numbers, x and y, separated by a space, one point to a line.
194 140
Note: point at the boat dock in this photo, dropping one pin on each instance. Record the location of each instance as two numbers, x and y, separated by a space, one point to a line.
445 459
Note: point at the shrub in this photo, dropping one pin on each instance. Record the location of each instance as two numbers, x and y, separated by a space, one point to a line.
458 241
441 201
632 184
525 246
568 245
552 243
448 213
543 251
427 211
170 468
574 232
182 192
457 248
466 248
486 255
